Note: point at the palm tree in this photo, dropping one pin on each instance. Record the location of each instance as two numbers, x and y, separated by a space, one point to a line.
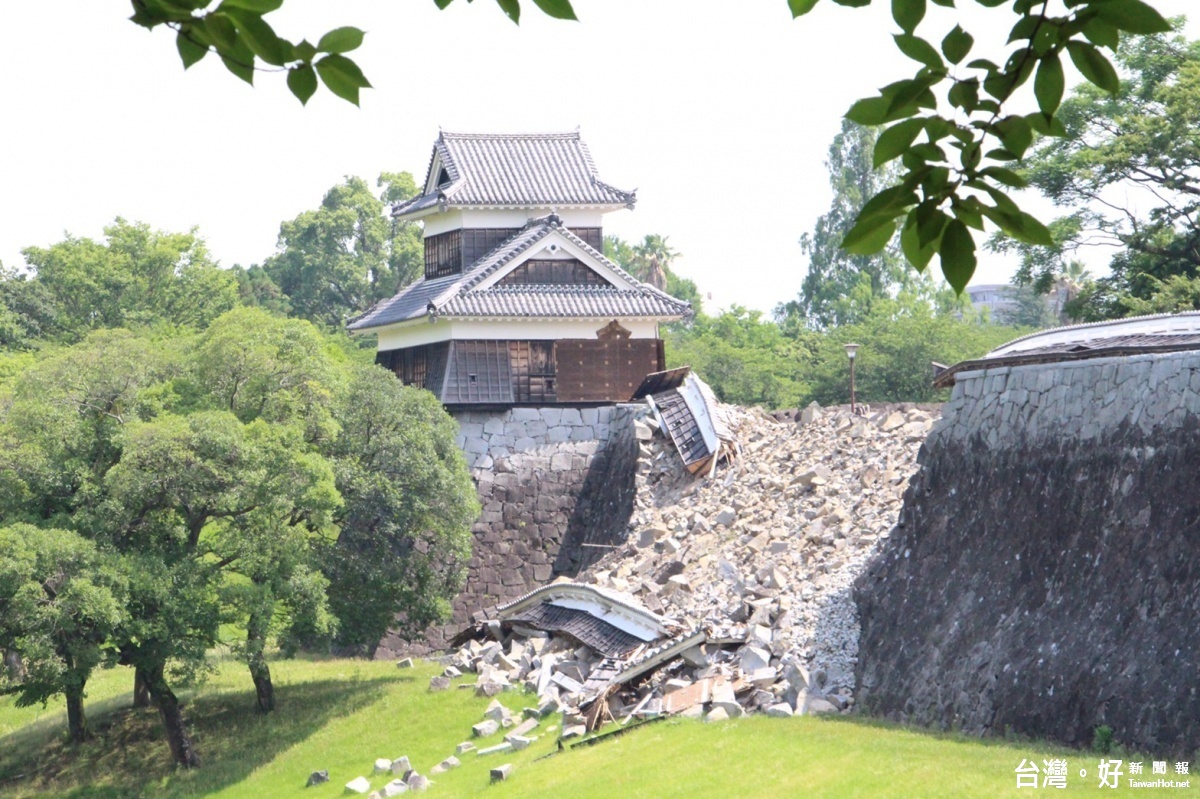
1067 286
655 256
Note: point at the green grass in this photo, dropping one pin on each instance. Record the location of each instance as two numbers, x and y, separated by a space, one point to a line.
340 715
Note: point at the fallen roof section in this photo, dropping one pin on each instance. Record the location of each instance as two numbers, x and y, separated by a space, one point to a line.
693 418
621 611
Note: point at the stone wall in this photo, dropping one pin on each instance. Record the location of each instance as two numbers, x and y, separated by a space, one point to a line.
557 489
1044 577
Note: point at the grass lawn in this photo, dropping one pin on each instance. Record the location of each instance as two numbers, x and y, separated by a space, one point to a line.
341 715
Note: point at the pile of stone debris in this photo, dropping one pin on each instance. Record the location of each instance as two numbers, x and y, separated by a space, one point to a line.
732 594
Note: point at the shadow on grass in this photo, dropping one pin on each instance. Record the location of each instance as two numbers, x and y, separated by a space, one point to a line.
128 756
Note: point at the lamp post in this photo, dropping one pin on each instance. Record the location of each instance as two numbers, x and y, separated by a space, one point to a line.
851 349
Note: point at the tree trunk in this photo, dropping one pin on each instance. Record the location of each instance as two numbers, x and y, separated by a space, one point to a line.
260 672
76 721
141 689
182 749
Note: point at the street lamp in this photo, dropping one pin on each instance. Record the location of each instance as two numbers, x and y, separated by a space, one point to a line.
851 349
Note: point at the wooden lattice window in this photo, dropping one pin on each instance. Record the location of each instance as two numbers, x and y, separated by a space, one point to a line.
478 242
559 273
443 254
533 371
594 237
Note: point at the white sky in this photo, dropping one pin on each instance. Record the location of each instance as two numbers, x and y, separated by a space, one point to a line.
719 113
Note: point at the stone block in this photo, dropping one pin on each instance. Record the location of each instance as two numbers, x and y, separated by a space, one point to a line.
583 433
525 444
359 785
394 788
500 773
571 417
525 414
316 778
589 415
464 747
485 728
400 766
495 750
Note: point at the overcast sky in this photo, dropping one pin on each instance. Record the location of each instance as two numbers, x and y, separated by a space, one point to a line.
719 113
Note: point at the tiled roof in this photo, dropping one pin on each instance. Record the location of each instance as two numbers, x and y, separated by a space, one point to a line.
458 295
528 169
1119 337
533 300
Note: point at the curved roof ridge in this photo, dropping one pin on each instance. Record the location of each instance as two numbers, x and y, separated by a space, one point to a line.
1126 322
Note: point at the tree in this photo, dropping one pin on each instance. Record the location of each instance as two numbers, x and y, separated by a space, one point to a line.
746 359
408 505
258 475
899 339
137 276
61 600
650 262
341 258
1128 173
839 287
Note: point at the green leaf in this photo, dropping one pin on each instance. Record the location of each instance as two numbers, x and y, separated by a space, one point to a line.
340 40
944 3
853 3
239 60
869 236
1005 176
918 49
1015 133
257 6
957 252
1047 126
559 9
896 139
1049 84
304 51
1094 66
908 14
189 50
801 7
511 9
1133 16
917 255
302 80
888 203
957 44
342 76
220 30
1101 33
442 4
260 37
931 221
871 111
964 94
968 212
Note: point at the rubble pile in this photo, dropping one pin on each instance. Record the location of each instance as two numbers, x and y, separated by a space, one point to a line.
774 539
732 594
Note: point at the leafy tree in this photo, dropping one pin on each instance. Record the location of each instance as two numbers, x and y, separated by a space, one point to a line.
899 339
257 474
650 262
137 276
1129 174
408 504
61 600
839 287
746 359
343 257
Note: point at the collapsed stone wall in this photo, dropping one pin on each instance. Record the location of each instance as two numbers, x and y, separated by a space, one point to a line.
556 486
1044 576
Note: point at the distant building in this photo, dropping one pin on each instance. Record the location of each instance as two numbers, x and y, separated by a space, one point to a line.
518 306
996 297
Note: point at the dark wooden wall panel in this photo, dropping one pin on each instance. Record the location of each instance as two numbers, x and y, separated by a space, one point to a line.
591 370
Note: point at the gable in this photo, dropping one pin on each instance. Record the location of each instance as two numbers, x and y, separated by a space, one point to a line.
561 260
